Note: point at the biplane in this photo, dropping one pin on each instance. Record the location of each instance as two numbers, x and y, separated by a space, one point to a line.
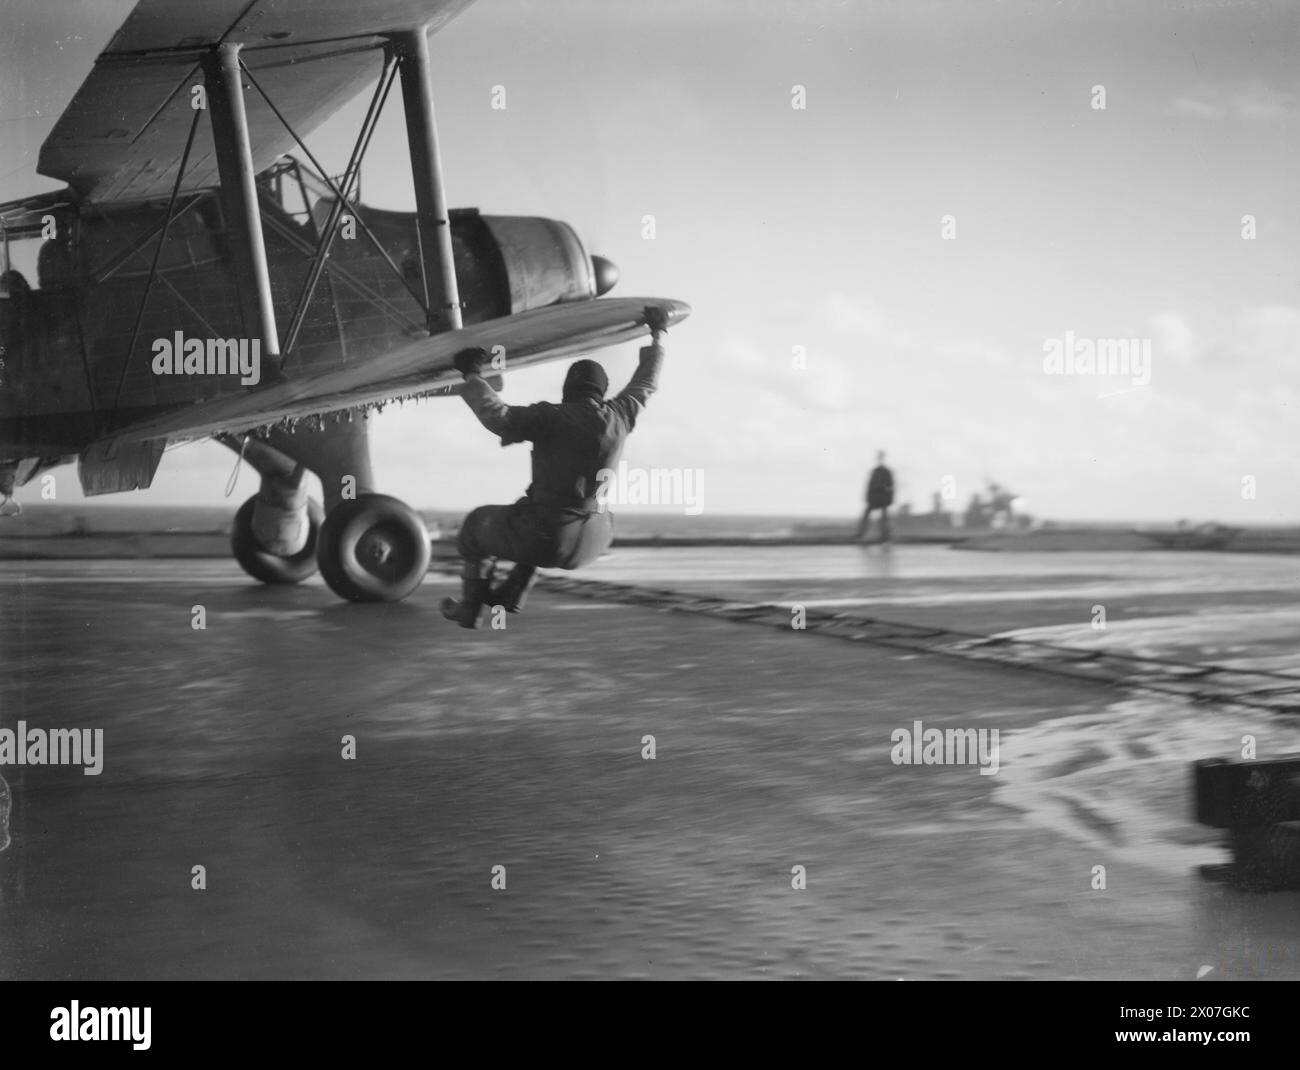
192 281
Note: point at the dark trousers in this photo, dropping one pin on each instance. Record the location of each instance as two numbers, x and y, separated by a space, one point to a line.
883 510
528 535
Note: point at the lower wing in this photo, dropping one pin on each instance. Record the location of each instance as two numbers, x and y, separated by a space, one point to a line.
418 368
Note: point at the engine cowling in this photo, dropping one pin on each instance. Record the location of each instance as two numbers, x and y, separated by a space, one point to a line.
504 264
543 259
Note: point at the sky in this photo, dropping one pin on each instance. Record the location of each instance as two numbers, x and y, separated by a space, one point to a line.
886 267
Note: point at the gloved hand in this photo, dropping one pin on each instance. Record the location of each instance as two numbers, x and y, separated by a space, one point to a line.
471 361
656 319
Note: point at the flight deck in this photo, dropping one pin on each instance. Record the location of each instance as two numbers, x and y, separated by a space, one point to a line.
616 784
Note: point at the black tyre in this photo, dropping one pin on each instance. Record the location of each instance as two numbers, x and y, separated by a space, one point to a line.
272 568
373 549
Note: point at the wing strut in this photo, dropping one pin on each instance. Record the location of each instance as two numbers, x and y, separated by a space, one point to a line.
239 192
442 298
170 214
342 196
351 178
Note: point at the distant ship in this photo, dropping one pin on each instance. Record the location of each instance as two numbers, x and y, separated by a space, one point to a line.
1209 536
999 509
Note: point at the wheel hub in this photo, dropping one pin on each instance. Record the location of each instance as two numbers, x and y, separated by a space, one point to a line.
375 549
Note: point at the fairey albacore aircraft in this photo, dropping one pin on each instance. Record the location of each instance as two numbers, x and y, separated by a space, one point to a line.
191 280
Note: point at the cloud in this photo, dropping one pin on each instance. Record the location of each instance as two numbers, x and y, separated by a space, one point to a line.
1269 335
1199 109
1257 101
1172 337
819 383
843 314
1252 102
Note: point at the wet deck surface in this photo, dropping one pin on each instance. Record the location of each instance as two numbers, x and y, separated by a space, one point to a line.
523 747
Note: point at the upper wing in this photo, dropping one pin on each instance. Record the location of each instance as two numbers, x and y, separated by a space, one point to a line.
122 136
419 367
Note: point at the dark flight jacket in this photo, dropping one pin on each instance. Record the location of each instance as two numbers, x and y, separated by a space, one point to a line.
572 443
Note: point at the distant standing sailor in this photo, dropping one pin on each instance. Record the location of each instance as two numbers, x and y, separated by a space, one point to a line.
880 496
559 522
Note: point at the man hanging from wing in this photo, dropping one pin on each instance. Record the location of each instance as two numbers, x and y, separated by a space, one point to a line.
559 523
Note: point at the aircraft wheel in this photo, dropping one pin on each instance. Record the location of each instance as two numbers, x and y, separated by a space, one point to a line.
373 549
272 568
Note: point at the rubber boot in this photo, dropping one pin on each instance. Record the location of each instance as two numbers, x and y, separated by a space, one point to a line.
475 587
513 591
